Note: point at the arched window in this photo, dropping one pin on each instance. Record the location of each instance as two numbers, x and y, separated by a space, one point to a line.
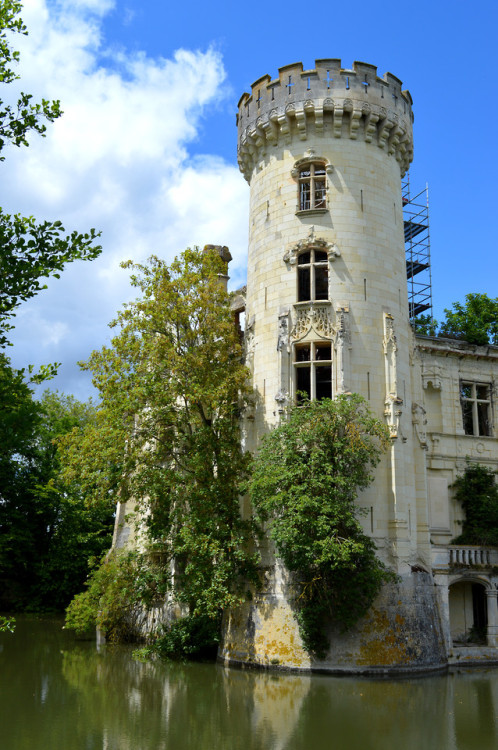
313 370
312 186
312 276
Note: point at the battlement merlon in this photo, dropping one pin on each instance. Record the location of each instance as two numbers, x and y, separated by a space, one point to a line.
354 103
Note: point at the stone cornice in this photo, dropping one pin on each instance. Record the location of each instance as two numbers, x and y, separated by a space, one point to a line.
356 104
454 348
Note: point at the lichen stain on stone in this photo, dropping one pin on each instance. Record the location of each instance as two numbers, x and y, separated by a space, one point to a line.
276 643
388 646
266 636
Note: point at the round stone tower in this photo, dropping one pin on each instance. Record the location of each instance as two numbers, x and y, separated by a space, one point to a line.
324 151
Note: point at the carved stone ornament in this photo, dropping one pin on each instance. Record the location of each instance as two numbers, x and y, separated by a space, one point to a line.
393 412
282 398
312 316
249 335
283 331
419 422
310 158
311 241
389 341
342 344
342 328
432 375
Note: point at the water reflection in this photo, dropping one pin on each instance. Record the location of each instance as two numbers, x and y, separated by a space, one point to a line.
58 693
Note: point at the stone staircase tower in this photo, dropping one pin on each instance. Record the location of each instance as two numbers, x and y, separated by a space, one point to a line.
324 151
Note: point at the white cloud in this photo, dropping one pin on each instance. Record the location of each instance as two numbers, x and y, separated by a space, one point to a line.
117 160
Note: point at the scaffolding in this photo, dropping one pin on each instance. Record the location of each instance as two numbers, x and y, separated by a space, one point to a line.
418 250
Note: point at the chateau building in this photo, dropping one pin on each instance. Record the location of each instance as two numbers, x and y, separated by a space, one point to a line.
326 313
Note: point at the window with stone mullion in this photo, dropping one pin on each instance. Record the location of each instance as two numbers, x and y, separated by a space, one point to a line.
476 405
312 276
312 187
313 371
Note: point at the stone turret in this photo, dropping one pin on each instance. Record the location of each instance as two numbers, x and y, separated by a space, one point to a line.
327 313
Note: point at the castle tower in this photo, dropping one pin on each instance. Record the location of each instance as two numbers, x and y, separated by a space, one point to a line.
324 151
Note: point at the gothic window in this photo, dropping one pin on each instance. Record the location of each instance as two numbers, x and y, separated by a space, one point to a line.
313 370
312 186
476 408
312 276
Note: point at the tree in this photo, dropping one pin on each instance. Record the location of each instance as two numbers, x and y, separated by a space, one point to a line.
305 480
425 325
173 385
47 534
29 250
475 322
477 492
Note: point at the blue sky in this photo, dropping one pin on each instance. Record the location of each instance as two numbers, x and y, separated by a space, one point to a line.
146 150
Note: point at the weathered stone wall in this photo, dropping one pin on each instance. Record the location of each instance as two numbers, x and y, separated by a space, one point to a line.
400 633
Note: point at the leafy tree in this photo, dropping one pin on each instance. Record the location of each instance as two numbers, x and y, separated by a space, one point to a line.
477 492
173 386
29 250
304 484
425 325
47 534
114 589
17 121
476 321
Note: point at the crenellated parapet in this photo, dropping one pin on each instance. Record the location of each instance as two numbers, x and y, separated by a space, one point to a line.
330 100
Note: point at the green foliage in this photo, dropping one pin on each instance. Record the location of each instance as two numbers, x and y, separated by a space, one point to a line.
117 591
425 325
29 250
305 480
7 624
173 385
17 121
186 638
477 492
32 250
47 533
475 322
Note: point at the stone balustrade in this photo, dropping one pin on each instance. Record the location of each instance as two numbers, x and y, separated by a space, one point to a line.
454 555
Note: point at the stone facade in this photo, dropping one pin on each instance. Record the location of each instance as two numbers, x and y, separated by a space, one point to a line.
324 151
326 311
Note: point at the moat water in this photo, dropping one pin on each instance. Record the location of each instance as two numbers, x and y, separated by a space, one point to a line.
57 693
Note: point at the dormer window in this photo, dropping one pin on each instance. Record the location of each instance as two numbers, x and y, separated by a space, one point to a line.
312 276
312 186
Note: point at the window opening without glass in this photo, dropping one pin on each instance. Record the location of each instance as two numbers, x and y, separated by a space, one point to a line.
312 276
476 408
312 187
313 370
